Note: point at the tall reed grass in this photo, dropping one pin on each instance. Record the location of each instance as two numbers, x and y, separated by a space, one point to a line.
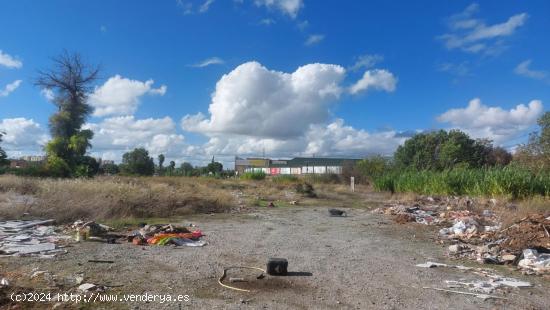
510 181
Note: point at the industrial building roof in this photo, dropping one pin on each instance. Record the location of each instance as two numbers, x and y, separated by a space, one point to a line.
310 161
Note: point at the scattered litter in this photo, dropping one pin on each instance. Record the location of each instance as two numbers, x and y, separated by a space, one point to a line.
535 261
4 282
30 238
165 234
233 280
271 205
277 266
224 275
410 214
89 230
481 296
479 235
74 280
336 212
433 265
488 284
38 273
101 261
86 287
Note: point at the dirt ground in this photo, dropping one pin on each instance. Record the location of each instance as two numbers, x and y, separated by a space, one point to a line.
363 261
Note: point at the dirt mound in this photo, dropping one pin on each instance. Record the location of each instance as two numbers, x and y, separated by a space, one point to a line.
529 232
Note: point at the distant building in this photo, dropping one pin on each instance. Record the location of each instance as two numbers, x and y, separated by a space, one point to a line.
18 163
295 166
105 162
27 161
34 158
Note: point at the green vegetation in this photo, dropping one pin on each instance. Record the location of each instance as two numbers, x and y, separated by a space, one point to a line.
256 176
441 150
535 154
71 81
3 157
453 164
512 181
284 178
306 189
137 162
329 178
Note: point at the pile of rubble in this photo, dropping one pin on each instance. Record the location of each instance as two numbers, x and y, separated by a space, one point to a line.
31 238
165 234
480 235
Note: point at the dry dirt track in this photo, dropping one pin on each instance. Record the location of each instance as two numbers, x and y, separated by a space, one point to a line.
363 261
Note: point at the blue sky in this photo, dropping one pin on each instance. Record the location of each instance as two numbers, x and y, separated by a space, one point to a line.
372 70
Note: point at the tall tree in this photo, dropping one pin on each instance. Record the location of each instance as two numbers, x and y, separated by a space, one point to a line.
138 162
3 156
71 81
186 169
214 167
536 152
161 160
442 150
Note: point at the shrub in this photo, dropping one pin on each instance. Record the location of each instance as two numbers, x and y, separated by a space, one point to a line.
329 178
306 189
284 178
57 167
256 176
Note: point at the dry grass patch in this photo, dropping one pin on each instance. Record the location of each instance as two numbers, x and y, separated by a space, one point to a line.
114 197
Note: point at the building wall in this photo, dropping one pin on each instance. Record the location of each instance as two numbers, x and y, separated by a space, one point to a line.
283 167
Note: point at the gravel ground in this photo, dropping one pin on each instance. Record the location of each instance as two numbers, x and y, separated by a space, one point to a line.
363 261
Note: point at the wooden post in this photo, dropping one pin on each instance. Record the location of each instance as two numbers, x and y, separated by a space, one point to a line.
352 181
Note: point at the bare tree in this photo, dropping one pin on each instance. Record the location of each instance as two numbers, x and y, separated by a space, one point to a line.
71 80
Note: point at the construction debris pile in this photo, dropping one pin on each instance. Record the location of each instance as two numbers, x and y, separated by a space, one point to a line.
489 282
91 230
31 238
165 234
479 235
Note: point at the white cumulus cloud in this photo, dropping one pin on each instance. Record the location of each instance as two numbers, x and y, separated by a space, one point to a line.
121 96
495 123
254 100
116 135
377 79
255 109
11 87
338 139
9 61
23 136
